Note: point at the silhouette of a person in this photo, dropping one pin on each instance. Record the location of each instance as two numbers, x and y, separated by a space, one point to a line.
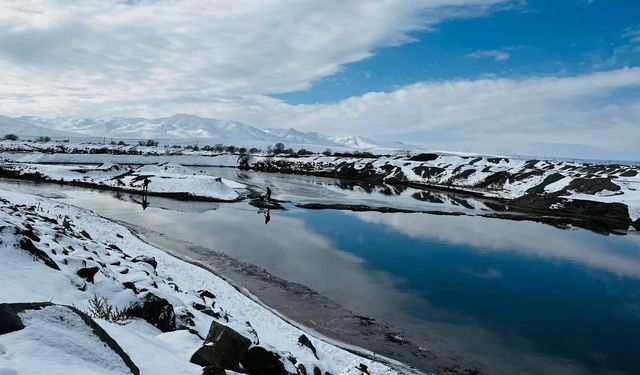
268 194
267 216
145 203
145 184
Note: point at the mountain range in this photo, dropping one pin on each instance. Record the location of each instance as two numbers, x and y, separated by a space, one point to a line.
181 127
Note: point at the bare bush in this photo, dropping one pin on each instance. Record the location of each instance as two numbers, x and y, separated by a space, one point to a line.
100 308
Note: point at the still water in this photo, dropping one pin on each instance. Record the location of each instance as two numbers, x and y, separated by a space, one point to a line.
511 296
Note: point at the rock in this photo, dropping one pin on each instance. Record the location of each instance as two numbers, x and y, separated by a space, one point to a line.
260 361
85 234
27 244
157 311
223 347
10 321
131 286
304 341
362 367
205 293
145 259
213 370
88 273
301 369
591 185
316 371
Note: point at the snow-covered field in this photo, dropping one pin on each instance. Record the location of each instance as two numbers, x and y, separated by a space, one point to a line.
53 252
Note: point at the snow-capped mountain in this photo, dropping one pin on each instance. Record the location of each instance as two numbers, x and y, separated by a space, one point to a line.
177 127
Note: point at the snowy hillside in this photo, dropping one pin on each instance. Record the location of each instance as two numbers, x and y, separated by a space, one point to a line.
180 127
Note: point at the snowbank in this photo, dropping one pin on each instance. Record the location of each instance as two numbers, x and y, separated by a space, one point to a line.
163 179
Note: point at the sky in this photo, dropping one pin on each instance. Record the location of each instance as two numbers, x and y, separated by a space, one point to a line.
536 77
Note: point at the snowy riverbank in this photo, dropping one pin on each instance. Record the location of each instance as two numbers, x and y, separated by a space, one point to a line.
52 252
166 179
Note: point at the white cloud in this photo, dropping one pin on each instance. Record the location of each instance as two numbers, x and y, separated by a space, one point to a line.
497 55
223 58
591 115
63 56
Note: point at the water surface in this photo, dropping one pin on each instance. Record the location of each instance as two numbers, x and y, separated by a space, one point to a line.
511 296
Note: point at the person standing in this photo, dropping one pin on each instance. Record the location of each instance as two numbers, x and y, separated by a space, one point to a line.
268 194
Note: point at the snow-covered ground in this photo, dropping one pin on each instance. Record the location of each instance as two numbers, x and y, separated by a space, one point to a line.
46 249
558 182
165 179
494 177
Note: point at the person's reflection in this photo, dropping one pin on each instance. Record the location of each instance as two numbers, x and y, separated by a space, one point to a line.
266 213
145 202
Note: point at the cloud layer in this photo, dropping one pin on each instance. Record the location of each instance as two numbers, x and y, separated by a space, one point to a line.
224 58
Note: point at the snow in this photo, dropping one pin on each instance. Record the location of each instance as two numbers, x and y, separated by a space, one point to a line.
24 278
163 178
181 126
57 340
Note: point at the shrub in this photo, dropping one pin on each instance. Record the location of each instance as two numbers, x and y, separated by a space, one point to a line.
279 148
10 137
100 308
303 152
148 143
122 143
254 150
327 152
43 139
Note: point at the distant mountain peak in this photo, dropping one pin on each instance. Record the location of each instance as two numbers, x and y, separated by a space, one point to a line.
179 126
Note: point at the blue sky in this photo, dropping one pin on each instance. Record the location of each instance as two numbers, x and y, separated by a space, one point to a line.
539 37
524 77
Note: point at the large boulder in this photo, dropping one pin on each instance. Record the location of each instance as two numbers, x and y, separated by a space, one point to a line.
80 331
260 361
157 311
223 347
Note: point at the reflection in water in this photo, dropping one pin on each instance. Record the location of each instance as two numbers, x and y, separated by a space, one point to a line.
266 213
517 297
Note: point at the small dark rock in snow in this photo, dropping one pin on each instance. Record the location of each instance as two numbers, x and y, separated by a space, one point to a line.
88 273
145 259
28 233
301 369
156 311
130 285
316 371
26 244
205 293
304 341
223 347
85 234
362 367
259 361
